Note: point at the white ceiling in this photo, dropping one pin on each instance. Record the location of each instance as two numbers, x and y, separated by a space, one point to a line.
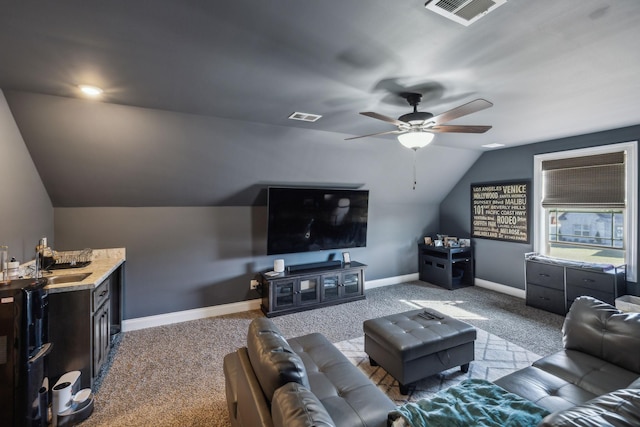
551 68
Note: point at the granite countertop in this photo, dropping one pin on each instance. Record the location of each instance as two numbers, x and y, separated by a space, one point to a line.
103 263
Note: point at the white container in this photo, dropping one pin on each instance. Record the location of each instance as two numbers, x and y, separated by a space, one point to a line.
628 303
278 265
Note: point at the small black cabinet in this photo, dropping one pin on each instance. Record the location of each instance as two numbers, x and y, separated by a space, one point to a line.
290 292
450 268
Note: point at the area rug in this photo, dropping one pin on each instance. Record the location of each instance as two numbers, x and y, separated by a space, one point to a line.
494 358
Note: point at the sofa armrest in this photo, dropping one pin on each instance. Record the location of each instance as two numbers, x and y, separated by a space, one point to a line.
620 408
230 369
253 407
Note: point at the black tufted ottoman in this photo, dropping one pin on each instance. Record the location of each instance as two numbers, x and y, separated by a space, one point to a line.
417 344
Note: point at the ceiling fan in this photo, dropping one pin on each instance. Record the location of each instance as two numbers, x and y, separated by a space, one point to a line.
416 130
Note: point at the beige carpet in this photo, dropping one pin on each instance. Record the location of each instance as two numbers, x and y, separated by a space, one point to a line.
172 375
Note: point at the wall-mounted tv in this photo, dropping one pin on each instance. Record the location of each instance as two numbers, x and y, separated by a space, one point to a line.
316 219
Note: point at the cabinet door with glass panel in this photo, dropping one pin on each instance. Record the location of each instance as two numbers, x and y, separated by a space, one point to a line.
288 293
308 291
340 285
331 286
352 283
283 294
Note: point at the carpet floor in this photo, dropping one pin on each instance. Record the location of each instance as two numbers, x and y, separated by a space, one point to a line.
172 375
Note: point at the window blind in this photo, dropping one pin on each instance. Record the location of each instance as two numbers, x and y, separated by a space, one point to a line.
588 181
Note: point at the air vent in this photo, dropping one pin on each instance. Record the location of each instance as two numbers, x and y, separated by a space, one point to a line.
305 117
464 12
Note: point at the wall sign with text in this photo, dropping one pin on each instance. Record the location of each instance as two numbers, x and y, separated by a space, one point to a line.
500 211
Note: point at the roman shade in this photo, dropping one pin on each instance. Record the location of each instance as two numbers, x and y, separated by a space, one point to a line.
588 181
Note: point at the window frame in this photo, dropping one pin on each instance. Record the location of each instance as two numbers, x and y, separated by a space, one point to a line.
540 226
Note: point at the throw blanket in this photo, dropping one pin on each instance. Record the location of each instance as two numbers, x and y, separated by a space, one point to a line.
473 402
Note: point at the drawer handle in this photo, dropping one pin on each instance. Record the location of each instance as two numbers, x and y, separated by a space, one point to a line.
543 275
588 280
103 293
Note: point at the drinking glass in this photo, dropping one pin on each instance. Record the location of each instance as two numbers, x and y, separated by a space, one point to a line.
4 267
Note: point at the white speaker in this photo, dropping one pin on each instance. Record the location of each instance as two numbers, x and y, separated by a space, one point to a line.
278 265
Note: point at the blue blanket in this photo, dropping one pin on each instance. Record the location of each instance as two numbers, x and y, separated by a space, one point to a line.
471 403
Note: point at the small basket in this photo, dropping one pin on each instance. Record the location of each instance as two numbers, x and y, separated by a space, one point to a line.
72 259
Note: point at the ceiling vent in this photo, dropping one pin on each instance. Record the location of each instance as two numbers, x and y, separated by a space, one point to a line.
305 117
464 12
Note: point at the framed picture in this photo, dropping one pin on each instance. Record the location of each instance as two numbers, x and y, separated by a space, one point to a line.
427 241
500 210
346 258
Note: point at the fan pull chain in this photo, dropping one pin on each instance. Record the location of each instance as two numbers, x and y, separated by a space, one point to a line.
415 179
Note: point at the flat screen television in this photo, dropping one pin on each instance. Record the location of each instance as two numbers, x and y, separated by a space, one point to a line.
316 219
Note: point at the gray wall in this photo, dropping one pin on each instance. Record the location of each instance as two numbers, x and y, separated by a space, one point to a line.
26 213
186 194
181 258
502 262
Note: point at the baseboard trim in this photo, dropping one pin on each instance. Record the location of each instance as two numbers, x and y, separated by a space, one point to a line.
254 304
504 289
186 315
378 283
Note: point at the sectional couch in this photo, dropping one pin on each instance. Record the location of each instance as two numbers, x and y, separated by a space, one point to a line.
303 381
306 381
595 379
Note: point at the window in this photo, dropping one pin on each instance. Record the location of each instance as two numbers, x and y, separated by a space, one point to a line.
586 235
585 205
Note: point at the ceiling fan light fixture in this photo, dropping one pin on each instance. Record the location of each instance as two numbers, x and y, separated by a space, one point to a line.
416 139
89 90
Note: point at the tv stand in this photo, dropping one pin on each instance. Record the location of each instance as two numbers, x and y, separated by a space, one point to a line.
309 286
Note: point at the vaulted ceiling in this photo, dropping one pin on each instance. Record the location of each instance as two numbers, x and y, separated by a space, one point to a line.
208 71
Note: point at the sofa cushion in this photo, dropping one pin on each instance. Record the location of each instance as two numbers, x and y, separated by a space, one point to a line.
272 359
545 389
588 372
347 394
603 331
295 406
620 408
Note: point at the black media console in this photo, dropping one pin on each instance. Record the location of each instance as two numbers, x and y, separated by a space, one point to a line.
450 268
308 286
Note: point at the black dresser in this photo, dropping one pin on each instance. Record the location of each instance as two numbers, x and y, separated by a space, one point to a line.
553 284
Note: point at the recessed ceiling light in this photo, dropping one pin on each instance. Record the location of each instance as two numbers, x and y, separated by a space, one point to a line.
90 90
494 145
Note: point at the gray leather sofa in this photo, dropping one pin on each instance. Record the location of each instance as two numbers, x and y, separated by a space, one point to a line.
595 380
303 381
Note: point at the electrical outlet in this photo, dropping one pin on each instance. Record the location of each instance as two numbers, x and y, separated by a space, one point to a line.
254 284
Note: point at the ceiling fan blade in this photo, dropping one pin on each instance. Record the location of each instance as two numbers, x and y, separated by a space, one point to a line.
374 134
460 128
384 118
463 110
